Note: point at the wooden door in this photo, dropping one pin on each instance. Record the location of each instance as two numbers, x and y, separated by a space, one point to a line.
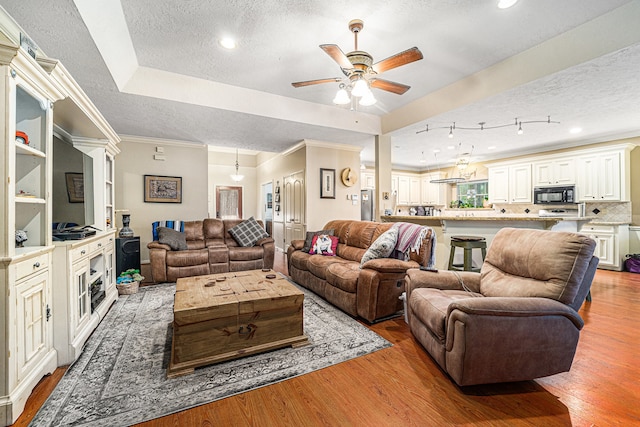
294 203
228 202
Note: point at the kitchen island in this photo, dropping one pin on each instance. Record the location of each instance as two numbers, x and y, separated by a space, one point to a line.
483 225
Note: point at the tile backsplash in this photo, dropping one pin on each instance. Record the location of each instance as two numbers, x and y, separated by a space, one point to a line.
603 211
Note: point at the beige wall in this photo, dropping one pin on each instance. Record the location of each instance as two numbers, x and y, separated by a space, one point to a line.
188 161
320 211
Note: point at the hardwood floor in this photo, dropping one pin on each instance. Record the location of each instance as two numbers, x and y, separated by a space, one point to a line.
401 385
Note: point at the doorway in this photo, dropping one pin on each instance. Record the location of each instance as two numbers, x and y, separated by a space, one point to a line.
267 209
228 202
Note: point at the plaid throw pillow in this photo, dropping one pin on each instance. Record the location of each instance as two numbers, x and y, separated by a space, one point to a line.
248 232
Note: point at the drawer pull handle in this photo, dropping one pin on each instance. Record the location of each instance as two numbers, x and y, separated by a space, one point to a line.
99 245
82 252
36 265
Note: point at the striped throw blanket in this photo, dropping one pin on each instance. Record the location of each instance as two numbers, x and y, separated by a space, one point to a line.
410 237
176 225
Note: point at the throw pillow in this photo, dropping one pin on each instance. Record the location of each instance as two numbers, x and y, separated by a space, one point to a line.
248 232
309 238
175 239
382 247
323 244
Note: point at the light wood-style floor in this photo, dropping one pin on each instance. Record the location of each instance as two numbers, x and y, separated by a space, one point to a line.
401 385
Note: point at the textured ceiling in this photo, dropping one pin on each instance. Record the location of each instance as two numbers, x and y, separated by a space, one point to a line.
251 104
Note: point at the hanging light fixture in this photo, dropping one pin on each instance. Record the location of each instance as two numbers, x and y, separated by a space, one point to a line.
237 177
358 89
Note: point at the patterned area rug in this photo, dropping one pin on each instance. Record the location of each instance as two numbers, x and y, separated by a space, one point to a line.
120 377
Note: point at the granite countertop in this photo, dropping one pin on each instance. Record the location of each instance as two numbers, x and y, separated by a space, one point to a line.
501 217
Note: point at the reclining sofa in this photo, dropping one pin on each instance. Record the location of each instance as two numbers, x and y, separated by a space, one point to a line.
371 292
210 249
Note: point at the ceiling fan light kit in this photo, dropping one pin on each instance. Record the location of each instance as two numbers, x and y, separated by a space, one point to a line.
360 72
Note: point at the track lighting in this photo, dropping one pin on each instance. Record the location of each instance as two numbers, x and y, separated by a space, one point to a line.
483 126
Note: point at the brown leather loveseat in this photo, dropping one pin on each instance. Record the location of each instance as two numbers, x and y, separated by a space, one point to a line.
371 292
210 249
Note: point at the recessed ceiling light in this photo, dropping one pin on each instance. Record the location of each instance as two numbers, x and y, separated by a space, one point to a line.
493 147
450 147
575 130
505 4
436 151
228 43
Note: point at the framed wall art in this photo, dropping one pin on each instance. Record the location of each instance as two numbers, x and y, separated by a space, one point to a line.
162 189
75 187
327 183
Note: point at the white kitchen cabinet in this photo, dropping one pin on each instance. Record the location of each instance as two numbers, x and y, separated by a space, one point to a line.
510 184
83 292
554 172
404 190
414 190
612 244
368 180
432 194
599 177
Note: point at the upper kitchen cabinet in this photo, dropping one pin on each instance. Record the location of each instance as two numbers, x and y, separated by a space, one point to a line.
510 183
554 172
604 175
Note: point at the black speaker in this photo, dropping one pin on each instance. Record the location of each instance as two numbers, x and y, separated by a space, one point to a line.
127 254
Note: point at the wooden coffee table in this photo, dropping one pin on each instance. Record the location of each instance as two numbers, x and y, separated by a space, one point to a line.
224 316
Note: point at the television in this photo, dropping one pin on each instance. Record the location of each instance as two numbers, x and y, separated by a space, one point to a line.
72 193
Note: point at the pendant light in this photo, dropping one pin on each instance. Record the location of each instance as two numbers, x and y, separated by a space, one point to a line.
237 177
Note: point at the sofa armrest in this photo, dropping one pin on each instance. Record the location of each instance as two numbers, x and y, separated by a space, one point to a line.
297 244
264 241
390 265
526 307
442 279
157 245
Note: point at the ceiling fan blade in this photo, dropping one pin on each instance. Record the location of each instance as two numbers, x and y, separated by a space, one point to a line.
402 58
389 86
337 55
315 82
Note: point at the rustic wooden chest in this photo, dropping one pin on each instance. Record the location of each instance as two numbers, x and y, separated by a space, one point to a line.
224 316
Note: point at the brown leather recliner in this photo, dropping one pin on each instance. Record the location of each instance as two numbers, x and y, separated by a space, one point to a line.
211 249
515 320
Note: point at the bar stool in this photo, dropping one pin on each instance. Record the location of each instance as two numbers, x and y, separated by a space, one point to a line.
468 243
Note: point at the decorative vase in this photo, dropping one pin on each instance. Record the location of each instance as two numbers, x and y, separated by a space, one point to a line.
125 231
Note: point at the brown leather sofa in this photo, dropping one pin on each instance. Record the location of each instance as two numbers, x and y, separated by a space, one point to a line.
211 249
516 319
371 292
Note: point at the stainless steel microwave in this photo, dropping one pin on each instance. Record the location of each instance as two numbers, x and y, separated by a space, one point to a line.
554 195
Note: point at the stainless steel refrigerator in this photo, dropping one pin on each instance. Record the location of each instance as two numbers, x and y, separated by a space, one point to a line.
367 205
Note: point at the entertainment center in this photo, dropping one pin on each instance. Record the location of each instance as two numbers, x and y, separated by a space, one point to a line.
53 292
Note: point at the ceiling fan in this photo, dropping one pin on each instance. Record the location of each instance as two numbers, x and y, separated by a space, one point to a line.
360 70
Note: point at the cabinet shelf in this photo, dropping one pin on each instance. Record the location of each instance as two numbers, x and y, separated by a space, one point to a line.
29 151
33 200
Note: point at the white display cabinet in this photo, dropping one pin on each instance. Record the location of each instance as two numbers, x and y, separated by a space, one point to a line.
26 327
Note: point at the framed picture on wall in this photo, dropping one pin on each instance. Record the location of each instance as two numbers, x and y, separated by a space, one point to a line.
327 183
75 187
162 189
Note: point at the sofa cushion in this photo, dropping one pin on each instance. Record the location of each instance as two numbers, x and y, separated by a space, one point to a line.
176 240
298 259
344 275
324 244
245 254
187 258
382 246
308 241
318 264
430 307
248 232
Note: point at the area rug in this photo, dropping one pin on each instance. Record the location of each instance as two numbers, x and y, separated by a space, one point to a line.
120 377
